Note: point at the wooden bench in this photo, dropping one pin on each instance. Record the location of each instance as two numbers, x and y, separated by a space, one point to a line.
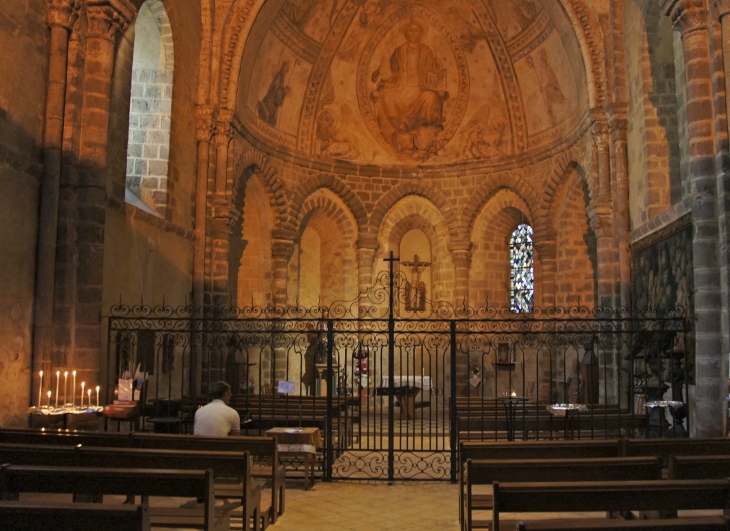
608 496
73 517
704 523
232 465
605 448
677 447
489 471
262 449
114 481
699 467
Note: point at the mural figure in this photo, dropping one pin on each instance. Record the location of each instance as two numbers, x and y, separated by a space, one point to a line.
336 142
552 93
268 107
524 12
469 34
300 11
483 135
410 102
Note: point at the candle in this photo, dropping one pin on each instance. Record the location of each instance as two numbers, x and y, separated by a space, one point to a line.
83 384
58 379
89 393
97 396
40 391
514 394
65 381
49 399
73 393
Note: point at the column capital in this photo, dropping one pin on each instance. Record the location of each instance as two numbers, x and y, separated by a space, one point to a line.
282 249
687 15
723 7
107 19
461 254
223 130
204 123
63 13
601 222
601 132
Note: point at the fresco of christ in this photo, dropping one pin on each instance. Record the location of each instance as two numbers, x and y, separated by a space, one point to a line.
410 102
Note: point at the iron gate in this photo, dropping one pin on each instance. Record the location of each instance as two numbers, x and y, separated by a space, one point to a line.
397 384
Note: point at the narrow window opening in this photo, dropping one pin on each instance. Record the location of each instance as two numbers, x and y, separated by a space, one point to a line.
522 276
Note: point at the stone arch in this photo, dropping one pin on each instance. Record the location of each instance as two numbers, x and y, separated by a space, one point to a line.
418 188
492 186
253 161
333 207
338 188
565 167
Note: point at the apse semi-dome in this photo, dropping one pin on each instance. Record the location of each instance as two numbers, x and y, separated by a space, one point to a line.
393 82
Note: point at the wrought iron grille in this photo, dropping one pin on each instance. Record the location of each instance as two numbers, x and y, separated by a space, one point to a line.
394 390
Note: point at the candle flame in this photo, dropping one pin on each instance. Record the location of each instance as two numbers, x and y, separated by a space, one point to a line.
88 391
58 373
514 394
49 394
65 374
97 388
74 373
41 373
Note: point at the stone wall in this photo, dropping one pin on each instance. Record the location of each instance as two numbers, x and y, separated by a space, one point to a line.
23 39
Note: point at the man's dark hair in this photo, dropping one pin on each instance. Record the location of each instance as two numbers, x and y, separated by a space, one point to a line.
219 389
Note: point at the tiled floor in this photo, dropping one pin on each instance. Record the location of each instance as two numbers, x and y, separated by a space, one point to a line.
371 506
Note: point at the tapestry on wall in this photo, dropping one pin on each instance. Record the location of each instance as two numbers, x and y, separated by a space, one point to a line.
662 276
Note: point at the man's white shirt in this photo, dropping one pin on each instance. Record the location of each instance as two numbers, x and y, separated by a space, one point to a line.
216 420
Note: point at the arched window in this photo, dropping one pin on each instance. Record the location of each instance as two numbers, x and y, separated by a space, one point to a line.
522 270
149 114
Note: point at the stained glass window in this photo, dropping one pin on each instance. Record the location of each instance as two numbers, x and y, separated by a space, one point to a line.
522 277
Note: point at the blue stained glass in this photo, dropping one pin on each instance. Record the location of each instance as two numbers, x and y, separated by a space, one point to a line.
522 277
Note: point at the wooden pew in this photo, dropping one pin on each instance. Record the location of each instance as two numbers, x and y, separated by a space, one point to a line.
677 447
699 467
705 523
489 471
600 448
618 496
114 481
73 517
263 450
223 464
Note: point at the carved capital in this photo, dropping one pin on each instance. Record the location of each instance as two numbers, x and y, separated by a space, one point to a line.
461 254
687 15
204 123
282 249
601 223
723 7
620 128
63 13
601 135
223 131
107 19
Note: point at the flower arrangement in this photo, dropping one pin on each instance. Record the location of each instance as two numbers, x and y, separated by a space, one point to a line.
362 369
474 370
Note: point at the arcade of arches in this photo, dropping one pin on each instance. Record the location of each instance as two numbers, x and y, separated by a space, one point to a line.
273 152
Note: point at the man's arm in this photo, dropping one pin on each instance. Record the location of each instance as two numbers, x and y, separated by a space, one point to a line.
235 424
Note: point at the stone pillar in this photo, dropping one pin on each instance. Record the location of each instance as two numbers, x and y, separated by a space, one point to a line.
204 131
222 216
461 257
62 15
281 251
690 17
622 223
78 325
600 216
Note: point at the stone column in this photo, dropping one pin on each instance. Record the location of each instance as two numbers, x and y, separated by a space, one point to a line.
204 131
80 324
621 219
221 213
281 252
690 17
547 252
461 257
62 15
600 215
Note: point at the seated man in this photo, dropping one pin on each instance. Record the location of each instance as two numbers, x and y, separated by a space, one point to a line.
217 419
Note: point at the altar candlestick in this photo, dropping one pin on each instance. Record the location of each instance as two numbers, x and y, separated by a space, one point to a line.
49 400
73 393
40 391
58 379
97 396
88 392
83 384
65 381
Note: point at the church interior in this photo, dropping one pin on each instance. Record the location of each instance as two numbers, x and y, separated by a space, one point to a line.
435 241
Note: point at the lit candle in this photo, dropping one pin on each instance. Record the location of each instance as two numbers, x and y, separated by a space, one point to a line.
97 396
89 393
49 399
83 384
65 381
73 393
40 390
58 379
514 394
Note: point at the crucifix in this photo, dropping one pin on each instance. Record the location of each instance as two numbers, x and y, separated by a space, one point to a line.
416 289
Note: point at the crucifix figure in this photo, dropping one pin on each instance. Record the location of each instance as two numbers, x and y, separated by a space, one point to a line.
416 289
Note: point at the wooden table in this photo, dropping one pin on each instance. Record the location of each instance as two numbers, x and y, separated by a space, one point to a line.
405 391
301 443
